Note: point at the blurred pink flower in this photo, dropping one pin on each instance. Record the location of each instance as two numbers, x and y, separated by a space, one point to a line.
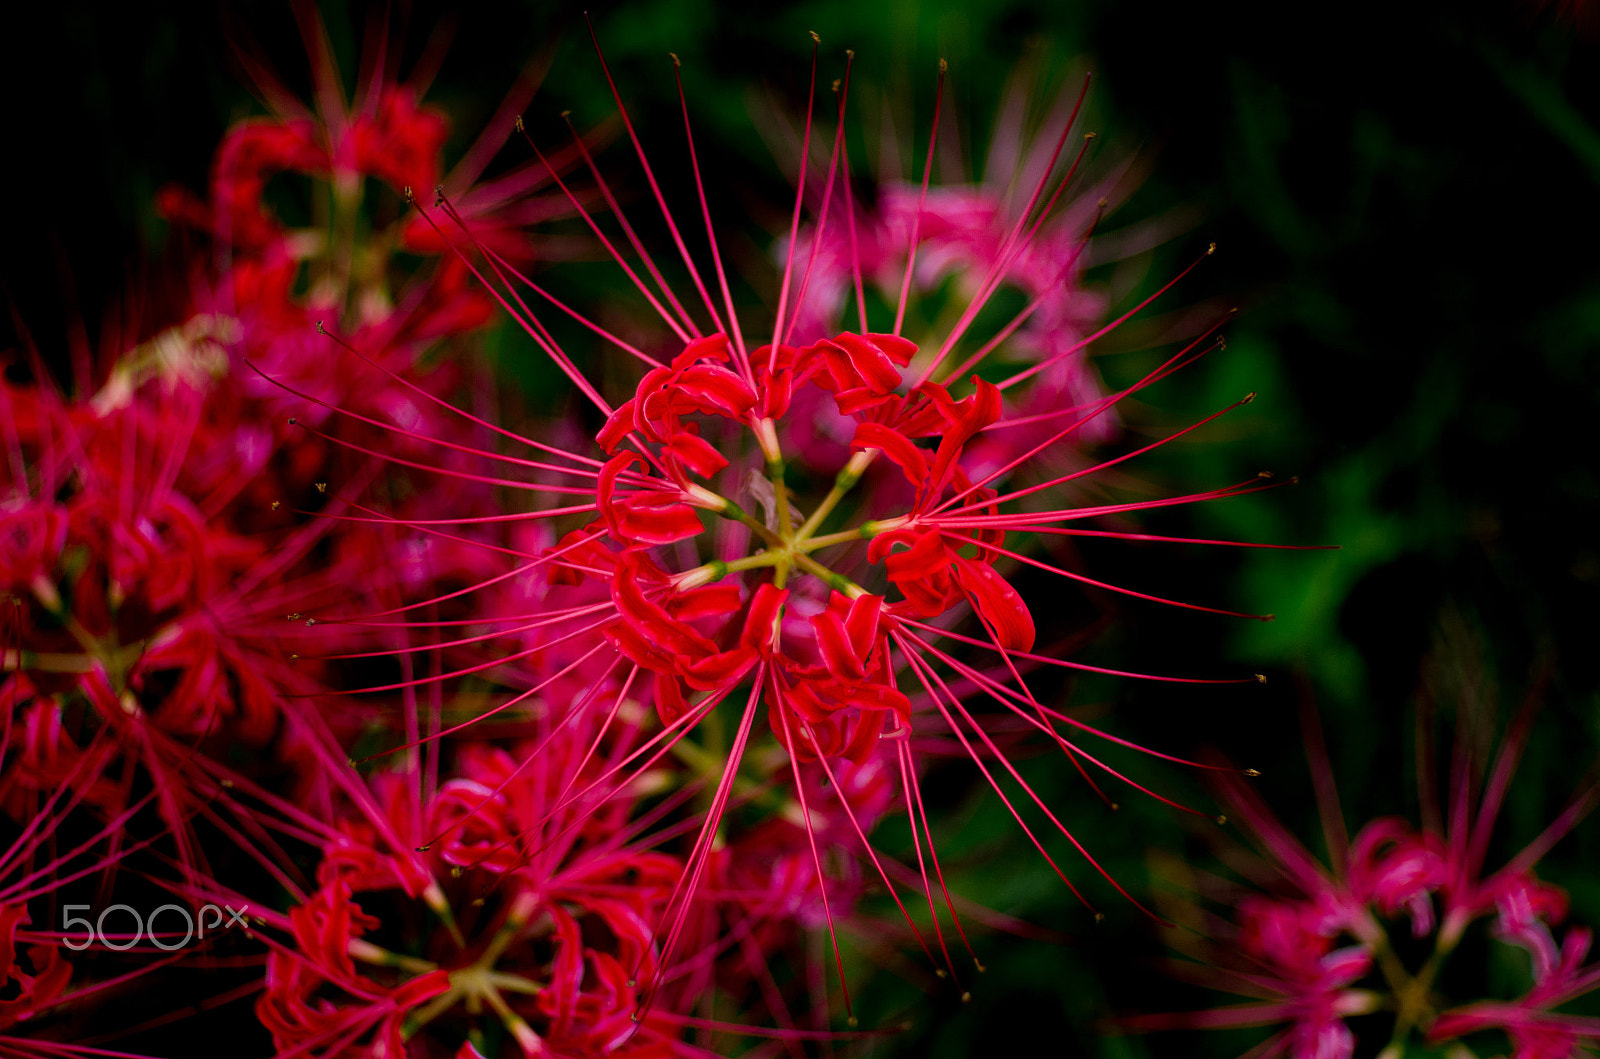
1319 947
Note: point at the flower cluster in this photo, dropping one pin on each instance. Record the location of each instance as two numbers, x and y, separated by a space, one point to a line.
166 533
1368 936
685 547
629 699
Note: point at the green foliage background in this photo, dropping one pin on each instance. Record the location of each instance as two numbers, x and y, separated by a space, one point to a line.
1405 196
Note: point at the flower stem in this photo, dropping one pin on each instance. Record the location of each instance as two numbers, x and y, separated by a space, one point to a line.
843 482
828 540
837 582
367 952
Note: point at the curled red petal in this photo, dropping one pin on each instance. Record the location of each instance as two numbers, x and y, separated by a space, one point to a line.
838 654
894 445
765 607
707 601
653 621
862 623
670 703
697 454
711 347
999 604
899 350
719 670
967 417
618 426
656 518
652 516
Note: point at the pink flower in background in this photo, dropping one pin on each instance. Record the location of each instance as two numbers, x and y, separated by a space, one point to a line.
982 237
1323 944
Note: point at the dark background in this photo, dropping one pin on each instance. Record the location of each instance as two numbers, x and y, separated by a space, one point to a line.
1405 196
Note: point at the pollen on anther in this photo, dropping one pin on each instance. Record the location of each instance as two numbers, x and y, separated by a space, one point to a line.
852 1022
518 123
1099 917
814 36
322 487
1261 678
456 872
1211 249
939 972
293 421
944 66
423 849
292 617
966 998
320 329
1252 773
675 60
1222 820
276 504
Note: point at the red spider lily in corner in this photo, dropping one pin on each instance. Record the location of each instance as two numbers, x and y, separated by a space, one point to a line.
158 727
1316 945
528 919
837 617
360 151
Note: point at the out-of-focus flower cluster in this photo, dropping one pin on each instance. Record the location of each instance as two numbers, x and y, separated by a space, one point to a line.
1356 953
287 534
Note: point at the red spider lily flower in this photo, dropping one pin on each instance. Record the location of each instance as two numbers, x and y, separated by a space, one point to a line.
536 914
272 282
35 988
151 622
61 841
834 616
164 582
1536 1028
1320 948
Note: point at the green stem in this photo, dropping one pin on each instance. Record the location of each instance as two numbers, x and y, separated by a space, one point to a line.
837 582
843 482
828 540
367 952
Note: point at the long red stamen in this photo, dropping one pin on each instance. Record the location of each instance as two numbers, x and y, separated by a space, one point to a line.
827 196
650 176
794 221
922 204
740 352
